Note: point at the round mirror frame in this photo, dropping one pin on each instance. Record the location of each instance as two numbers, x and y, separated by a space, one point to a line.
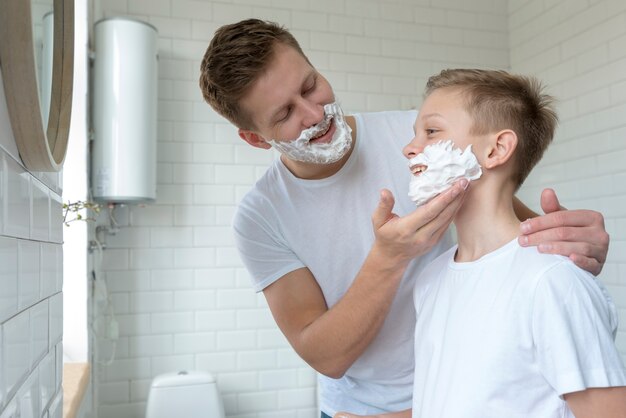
41 148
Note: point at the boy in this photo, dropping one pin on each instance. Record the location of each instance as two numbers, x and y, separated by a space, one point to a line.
339 293
502 330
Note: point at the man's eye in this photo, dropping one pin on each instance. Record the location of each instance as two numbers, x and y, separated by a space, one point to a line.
431 131
284 116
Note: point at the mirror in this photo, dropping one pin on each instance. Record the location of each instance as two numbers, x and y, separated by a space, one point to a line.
39 105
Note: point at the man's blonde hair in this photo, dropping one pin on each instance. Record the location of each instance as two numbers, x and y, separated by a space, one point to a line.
498 100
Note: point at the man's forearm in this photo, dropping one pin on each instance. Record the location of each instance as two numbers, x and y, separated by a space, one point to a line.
336 339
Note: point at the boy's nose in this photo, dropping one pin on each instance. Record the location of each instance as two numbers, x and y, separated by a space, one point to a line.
412 149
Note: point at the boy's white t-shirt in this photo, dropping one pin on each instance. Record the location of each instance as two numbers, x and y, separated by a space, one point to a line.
509 334
285 223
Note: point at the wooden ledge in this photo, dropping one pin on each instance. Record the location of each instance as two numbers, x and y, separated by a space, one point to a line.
75 382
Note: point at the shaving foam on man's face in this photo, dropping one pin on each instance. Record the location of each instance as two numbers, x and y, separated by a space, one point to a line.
439 166
302 149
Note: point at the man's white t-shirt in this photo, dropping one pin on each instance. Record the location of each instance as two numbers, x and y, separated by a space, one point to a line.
285 223
507 335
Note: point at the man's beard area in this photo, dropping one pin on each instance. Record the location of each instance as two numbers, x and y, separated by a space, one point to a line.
304 150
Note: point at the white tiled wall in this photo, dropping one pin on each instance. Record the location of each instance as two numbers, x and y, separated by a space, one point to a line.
579 49
178 289
30 286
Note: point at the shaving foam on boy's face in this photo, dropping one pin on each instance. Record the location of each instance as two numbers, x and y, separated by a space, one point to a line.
439 166
302 149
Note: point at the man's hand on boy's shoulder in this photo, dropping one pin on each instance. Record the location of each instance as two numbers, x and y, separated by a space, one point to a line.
577 234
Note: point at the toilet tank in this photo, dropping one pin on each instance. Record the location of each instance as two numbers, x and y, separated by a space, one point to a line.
191 394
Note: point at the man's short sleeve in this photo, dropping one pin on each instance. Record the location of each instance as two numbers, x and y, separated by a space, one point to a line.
261 247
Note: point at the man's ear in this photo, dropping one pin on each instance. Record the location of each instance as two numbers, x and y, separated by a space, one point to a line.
501 149
253 139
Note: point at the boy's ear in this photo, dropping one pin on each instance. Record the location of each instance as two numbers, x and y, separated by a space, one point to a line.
253 139
502 149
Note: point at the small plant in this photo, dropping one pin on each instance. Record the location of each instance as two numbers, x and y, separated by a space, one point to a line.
74 209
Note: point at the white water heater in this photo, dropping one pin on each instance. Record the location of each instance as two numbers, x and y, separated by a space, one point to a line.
124 111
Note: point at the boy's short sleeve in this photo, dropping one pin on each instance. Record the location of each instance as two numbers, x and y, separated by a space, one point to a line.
574 324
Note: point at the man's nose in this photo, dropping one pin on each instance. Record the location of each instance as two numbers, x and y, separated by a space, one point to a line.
312 113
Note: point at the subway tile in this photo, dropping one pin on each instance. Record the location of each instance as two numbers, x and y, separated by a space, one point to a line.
47 379
194 343
194 257
149 258
28 256
8 277
151 302
174 194
258 401
38 331
56 408
140 389
114 392
216 361
29 398
55 318
51 269
236 340
214 278
172 279
194 300
174 322
17 200
133 324
128 280
16 349
3 391
127 369
134 410
58 353
239 382
213 153
232 174
10 411
129 237
3 188
215 320
193 173
236 299
256 359
271 338
169 364
296 398
171 237
278 379
40 221
150 345
151 215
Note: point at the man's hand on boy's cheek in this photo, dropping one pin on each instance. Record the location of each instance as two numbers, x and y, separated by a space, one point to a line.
577 234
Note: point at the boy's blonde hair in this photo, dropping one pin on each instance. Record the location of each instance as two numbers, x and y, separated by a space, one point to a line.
236 57
497 100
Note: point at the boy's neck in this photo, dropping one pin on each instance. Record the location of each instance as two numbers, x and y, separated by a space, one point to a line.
486 221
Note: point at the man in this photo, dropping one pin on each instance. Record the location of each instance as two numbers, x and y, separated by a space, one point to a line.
340 293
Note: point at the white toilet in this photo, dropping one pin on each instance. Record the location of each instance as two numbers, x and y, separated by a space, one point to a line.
190 394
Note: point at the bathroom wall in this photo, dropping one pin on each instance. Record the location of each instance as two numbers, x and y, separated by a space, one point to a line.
578 48
176 286
31 276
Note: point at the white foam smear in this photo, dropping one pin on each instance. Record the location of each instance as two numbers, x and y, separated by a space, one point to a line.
446 165
301 149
